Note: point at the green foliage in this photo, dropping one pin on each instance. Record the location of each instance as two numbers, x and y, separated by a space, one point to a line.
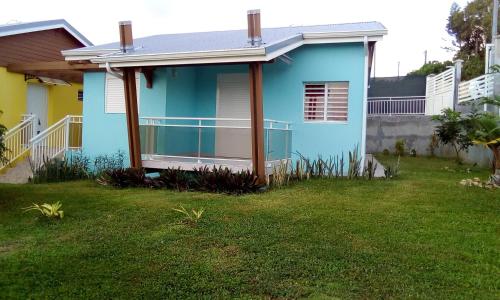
471 29
3 148
413 152
369 170
51 211
386 152
217 180
57 170
453 130
191 218
107 162
354 164
400 147
433 67
392 170
281 175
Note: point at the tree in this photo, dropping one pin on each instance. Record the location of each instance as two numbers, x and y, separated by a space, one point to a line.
453 130
433 67
486 131
471 29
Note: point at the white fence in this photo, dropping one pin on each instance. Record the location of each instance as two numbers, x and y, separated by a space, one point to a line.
17 139
63 136
408 105
440 91
477 88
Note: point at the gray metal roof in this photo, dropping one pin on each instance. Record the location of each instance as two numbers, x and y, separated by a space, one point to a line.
229 40
20 28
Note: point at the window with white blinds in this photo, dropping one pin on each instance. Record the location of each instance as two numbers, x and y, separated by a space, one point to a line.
114 97
326 101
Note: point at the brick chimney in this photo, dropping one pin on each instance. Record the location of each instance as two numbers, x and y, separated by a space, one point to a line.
126 40
254 30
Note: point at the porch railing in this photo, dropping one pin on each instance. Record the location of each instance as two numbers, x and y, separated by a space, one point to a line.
407 105
208 138
17 139
65 135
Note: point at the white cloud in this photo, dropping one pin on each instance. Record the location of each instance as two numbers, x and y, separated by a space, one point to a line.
414 26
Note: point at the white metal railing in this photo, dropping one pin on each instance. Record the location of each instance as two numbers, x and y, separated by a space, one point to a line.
186 137
406 105
63 136
477 88
17 139
440 91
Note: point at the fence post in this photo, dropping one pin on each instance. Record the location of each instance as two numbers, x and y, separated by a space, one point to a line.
458 78
66 142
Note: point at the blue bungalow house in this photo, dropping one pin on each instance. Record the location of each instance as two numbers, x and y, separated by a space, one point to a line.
239 98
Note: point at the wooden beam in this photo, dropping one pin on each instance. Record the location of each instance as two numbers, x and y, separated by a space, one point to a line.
257 121
49 66
148 74
132 115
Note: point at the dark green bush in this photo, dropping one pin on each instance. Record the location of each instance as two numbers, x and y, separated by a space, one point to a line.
122 178
57 170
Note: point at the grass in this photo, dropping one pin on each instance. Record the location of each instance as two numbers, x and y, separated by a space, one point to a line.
419 236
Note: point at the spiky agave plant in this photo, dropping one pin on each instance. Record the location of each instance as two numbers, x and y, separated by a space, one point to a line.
51 211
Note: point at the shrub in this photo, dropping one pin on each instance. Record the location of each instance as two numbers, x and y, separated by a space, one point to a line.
392 170
223 180
400 147
413 153
177 179
107 162
122 178
50 211
57 170
369 170
386 152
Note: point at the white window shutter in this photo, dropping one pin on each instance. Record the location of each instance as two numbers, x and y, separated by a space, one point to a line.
326 101
114 94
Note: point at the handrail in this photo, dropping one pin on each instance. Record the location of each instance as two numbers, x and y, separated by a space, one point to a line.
54 140
17 139
210 119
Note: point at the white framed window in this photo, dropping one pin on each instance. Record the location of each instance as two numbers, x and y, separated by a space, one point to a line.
326 101
114 94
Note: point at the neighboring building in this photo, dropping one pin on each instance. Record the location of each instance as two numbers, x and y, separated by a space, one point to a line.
25 88
195 93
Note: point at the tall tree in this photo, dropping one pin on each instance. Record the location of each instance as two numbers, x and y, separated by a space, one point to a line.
471 29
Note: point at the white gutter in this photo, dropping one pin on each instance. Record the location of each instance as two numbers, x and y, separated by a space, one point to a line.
365 104
113 72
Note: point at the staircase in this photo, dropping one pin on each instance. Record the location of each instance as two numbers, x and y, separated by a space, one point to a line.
22 142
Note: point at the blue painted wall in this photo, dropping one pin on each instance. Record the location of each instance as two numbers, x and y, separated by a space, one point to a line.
191 91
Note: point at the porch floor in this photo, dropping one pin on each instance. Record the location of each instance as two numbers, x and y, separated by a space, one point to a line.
189 163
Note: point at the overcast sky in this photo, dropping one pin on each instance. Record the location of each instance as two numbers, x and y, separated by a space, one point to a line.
414 26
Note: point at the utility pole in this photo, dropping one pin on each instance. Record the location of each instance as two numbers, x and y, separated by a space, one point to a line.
398 68
494 29
425 57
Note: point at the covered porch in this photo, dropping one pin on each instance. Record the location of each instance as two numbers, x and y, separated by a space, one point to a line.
188 142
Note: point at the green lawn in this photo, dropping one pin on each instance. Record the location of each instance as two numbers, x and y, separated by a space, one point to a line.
420 236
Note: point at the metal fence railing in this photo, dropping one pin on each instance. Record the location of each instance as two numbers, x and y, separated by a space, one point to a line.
407 105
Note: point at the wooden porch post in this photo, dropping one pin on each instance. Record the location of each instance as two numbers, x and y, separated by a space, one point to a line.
256 108
134 143
257 121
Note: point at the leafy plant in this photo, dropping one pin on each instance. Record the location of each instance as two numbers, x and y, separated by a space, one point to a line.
453 130
413 153
178 179
51 211
192 217
122 178
281 175
399 147
106 162
392 170
354 164
224 180
57 170
369 170
3 148
386 152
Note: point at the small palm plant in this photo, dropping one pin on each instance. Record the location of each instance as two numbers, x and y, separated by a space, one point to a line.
192 217
50 211
487 133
